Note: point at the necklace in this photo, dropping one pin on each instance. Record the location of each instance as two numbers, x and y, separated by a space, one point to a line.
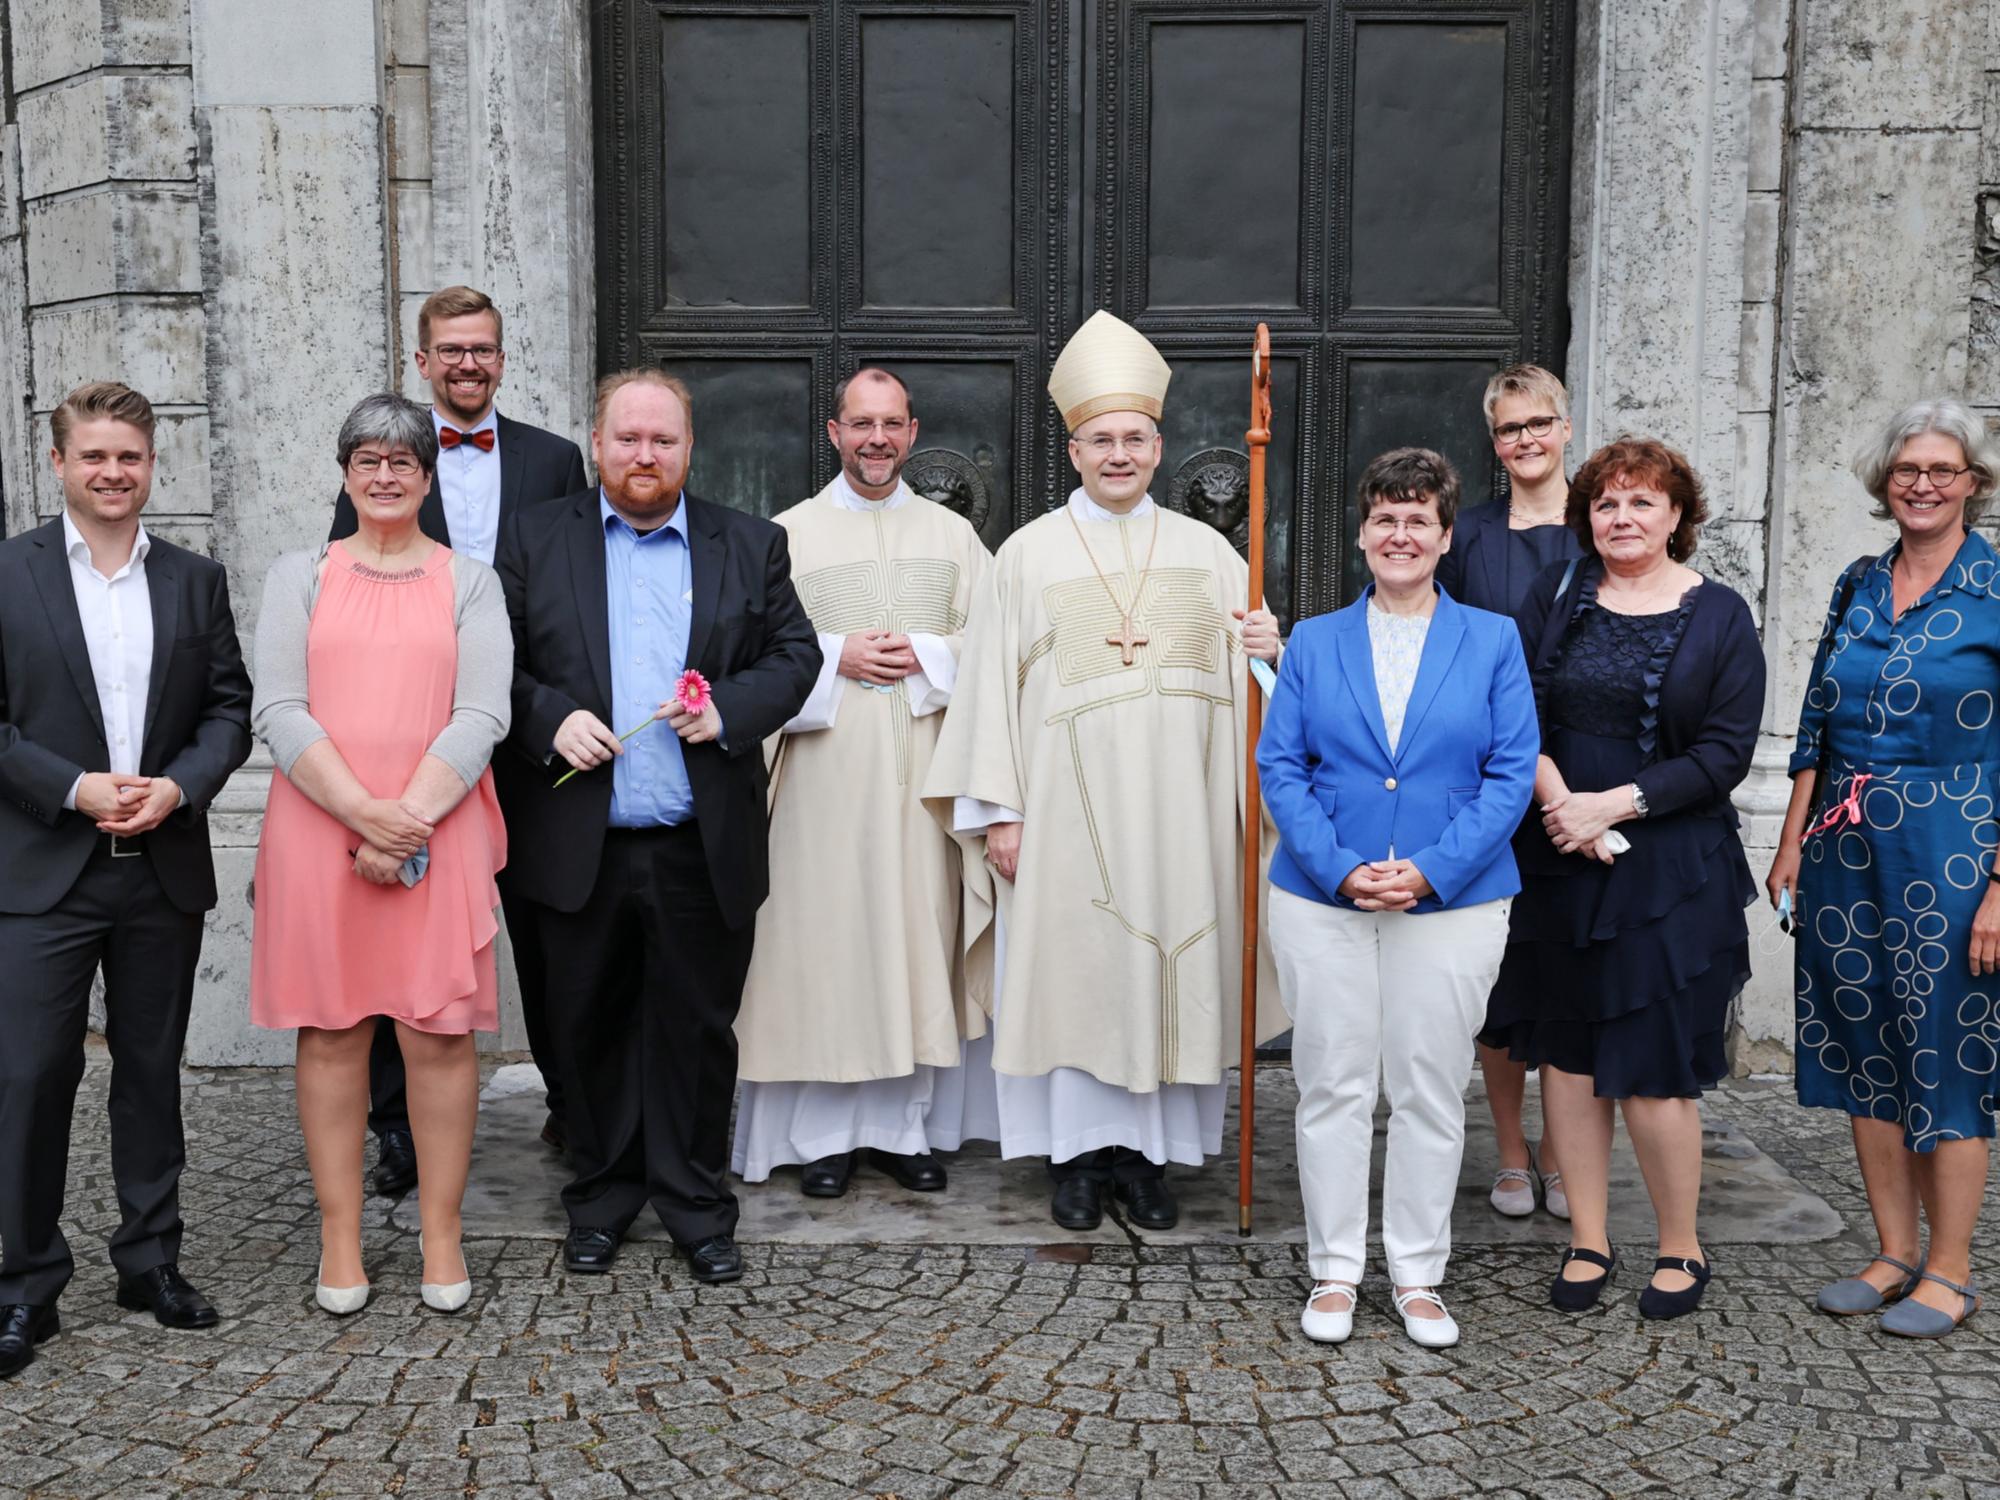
1126 640
1515 513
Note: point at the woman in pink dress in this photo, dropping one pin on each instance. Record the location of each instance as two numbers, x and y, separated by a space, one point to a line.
383 669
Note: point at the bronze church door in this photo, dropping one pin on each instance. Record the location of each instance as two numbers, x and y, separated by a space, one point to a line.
788 189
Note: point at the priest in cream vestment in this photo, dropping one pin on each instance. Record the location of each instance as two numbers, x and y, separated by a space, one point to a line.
854 1011
1093 760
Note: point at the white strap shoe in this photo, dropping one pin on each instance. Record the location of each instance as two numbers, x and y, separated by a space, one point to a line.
445 1297
1514 1192
338 1300
1431 1333
1328 1327
1554 1199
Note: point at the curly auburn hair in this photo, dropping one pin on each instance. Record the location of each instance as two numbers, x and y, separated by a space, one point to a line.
1646 461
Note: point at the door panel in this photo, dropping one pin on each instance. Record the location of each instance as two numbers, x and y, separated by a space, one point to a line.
790 188
937 113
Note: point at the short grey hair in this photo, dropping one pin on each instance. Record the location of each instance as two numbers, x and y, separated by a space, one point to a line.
1947 418
395 422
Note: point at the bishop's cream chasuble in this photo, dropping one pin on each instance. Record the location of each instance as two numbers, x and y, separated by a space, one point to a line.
1122 929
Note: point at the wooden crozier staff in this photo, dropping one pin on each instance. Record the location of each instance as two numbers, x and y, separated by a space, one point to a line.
1258 438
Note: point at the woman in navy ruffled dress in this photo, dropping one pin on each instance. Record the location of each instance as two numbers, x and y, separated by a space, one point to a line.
1628 943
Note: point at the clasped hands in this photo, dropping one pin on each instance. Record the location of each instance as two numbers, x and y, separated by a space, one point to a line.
1577 822
880 658
391 831
1385 885
126 806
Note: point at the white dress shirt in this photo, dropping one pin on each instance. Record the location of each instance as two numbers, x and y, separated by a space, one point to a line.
117 615
469 483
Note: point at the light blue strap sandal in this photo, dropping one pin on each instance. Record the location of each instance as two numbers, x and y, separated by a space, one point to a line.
1913 1320
1854 1295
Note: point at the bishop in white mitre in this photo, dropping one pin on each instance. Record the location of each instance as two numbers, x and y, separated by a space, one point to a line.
1093 763
855 1007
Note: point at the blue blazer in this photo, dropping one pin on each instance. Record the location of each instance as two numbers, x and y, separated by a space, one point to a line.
1451 796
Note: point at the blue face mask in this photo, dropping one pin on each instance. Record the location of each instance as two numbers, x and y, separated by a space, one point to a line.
1780 923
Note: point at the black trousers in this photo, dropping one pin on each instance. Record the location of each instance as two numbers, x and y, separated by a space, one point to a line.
1108 1164
644 985
117 918
388 1087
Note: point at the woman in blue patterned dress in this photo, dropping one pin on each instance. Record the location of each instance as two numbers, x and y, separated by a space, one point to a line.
1898 915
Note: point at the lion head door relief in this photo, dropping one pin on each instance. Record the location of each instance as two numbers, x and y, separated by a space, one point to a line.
1214 486
954 481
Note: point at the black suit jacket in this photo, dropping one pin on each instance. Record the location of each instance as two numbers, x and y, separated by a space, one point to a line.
750 637
51 729
534 466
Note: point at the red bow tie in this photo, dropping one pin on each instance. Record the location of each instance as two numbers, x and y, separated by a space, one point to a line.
451 437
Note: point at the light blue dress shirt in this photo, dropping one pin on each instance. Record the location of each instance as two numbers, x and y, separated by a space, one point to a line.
649 587
469 484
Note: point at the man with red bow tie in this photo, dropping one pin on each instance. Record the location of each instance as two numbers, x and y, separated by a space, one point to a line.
488 466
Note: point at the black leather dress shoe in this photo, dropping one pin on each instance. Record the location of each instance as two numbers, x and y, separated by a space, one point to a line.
21 1328
920 1174
827 1177
1078 1203
1148 1204
165 1293
395 1163
714 1259
589 1251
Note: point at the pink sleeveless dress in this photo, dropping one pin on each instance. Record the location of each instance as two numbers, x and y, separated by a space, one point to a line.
330 949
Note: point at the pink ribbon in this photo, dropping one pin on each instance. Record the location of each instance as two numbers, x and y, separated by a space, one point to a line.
1846 810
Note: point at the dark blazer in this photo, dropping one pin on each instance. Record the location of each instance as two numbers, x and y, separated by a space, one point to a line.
1475 570
1702 717
750 637
534 465
1453 791
51 729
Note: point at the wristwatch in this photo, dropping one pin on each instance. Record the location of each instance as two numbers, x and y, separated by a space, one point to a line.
1638 800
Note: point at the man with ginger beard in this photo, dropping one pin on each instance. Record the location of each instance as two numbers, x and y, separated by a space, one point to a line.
651 863
489 466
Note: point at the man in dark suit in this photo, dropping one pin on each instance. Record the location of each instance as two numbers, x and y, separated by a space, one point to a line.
489 466
124 707
651 864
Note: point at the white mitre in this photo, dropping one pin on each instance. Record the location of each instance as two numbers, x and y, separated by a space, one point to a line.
1108 366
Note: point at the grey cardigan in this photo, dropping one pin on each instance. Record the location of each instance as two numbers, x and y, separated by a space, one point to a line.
480 701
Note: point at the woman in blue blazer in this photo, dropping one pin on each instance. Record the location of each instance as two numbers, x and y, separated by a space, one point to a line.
1398 758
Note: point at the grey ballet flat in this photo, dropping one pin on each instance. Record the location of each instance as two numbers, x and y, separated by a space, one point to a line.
1913 1320
1853 1296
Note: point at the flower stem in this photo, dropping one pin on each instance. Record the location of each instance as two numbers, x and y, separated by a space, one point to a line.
651 718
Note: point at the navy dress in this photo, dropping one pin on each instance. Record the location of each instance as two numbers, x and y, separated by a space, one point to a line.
1892 1025
1626 972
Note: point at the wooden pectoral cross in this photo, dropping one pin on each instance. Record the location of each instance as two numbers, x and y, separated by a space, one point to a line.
1127 640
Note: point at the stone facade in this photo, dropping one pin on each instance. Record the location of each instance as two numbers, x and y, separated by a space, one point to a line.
1786 222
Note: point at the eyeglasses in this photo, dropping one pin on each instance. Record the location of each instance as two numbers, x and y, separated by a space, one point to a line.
891 427
1418 527
1535 427
1939 475
480 354
1103 445
402 465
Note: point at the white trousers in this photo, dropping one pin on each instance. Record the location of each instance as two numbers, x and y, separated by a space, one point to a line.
1398 997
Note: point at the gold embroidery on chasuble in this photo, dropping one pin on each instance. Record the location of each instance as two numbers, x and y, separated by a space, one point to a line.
912 595
1186 634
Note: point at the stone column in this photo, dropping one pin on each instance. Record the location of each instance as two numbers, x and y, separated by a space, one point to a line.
295 268
511 200
1881 170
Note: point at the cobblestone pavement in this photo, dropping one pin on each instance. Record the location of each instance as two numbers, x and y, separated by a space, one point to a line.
926 1370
